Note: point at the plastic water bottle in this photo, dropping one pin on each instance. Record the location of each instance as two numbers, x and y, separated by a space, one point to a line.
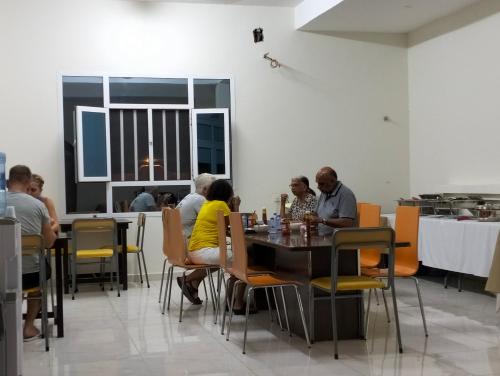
277 220
272 225
3 200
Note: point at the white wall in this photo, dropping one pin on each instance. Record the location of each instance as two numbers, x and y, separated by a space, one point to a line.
323 107
454 94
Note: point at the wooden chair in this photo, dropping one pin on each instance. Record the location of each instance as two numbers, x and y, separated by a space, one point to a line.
406 259
263 281
341 287
174 249
224 267
32 245
105 230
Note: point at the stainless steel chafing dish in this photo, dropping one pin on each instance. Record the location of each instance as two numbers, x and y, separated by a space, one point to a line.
456 204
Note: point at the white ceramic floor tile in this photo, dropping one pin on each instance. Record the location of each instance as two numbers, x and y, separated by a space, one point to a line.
129 336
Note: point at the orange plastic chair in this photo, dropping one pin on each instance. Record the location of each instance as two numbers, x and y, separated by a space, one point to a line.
221 233
240 271
406 260
369 216
174 249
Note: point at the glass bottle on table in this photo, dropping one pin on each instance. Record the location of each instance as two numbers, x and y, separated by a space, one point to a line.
307 220
264 216
283 201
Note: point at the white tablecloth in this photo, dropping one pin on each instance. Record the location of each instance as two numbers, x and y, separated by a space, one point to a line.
458 246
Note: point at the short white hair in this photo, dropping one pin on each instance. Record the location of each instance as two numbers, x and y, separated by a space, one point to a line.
202 181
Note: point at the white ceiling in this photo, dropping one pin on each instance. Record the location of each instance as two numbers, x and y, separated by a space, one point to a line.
384 16
274 3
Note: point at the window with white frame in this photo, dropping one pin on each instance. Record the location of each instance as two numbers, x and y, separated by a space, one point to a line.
126 135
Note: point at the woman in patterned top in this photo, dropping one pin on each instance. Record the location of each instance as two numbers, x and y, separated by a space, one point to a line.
305 198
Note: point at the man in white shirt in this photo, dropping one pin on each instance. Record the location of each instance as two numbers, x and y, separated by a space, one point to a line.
191 204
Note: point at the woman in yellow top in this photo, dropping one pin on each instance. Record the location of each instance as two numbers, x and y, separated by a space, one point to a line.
204 243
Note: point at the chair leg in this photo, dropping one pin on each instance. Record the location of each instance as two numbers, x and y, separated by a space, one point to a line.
73 275
140 268
167 289
311 313
445 281
217 302
334 326
110 274
101 272
211 286
385 305
226 298
376 296
285 310
162 276
396 316
367 315
460 281
170 287
247 310
231 310
276 305
205 288
182 295
117 268
421 305
269 305
145 268
301 309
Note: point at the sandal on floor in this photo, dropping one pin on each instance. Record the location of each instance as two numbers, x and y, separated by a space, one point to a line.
189 291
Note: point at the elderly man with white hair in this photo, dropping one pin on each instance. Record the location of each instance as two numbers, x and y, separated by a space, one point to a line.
191 204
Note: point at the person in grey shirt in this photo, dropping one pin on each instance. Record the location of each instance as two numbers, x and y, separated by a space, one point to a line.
191 204
336 206
34 219
145 201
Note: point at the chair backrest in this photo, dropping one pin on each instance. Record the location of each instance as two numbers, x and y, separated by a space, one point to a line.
406 227
105 228
174 245
369 216
221 233
31 244
141 226
360 238
240 257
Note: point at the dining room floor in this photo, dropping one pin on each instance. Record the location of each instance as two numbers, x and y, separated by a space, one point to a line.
111 336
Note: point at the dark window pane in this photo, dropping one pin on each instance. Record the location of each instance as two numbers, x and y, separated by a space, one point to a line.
212 94
95 158
210 129
142 145
164 196
116 164
148 90
80 91
171 145
128 145
159 170
184 146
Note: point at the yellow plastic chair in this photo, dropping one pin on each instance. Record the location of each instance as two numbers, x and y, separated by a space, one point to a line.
406 260
105 229
262 281
33 245
138 248
351 286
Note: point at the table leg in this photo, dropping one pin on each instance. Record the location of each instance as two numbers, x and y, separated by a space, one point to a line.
65 263
59 291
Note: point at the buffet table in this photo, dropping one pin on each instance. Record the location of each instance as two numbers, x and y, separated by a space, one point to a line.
459 246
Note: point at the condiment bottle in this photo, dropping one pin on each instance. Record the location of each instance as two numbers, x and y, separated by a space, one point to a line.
284 199
285 226
252 219
264 216
307 219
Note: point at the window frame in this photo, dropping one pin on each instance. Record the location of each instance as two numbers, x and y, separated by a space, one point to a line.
149 107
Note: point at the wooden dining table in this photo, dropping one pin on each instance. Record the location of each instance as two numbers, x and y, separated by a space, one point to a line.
122 226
